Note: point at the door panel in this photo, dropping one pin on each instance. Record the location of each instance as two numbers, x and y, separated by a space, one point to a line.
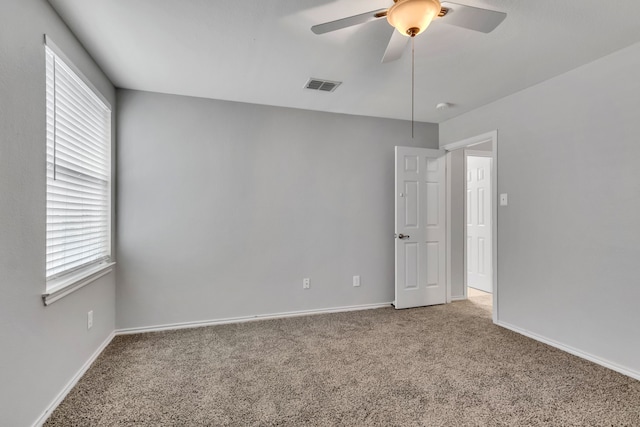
420 220
411 203
411 265
433 252
478 213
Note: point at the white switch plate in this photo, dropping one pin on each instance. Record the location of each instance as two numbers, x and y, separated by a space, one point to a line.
356 280
306 283
504 200
90 319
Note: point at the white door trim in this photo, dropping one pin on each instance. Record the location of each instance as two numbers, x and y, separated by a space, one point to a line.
474 140
479 139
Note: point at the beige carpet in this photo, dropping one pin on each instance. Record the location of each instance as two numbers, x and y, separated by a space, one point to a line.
437 366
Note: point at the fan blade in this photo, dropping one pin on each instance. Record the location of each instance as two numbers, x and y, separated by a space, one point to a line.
473 18
348 22
395 48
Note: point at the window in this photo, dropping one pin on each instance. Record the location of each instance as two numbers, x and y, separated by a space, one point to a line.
78 176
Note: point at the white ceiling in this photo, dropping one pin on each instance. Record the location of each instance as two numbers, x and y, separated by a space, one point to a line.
263 52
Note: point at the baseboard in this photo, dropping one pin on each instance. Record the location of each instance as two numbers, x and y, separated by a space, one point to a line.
60 397
242 319
597 360
460 298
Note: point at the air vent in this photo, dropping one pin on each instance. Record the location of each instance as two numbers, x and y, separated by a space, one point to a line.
322 85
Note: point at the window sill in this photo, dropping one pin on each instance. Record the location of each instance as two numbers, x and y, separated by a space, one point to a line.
60 288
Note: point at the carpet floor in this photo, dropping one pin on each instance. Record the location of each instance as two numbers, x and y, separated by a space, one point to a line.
436 366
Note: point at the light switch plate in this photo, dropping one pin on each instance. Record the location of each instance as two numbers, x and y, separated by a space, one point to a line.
504 200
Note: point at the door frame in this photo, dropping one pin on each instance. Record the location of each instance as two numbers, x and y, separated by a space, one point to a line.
473 153
466 143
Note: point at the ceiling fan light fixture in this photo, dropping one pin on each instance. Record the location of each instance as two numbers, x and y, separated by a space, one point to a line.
411 17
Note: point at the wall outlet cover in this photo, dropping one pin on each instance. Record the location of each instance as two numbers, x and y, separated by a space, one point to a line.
90 319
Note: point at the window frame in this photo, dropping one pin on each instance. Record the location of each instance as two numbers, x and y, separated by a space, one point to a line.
65 282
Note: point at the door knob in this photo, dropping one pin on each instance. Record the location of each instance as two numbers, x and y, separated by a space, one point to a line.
403 236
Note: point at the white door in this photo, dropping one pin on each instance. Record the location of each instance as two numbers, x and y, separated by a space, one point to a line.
420 227
478 217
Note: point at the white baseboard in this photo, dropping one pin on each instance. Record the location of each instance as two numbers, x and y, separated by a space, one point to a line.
60 397
459 298
242 319
597 360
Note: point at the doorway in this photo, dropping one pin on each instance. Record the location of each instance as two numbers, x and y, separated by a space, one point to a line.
465 254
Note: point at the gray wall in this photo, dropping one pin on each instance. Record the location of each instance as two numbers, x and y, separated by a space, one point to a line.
42 348
225 207
568 247
485 146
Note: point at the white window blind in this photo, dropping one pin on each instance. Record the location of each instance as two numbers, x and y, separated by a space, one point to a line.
78 172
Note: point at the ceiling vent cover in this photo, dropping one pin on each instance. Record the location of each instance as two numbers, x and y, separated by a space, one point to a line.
321 85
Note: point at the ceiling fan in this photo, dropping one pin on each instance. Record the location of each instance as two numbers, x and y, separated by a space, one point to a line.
412 17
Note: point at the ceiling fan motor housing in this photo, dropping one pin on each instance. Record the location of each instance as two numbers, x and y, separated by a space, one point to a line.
411 17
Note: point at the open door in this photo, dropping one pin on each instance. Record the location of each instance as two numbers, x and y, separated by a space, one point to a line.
420 227
478 221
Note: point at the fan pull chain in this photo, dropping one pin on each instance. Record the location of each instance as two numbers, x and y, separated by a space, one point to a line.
413 66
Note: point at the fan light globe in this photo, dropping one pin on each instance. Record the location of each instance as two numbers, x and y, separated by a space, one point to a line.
411 17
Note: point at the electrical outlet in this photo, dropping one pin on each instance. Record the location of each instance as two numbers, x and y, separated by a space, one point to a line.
90 319
356 280
306 283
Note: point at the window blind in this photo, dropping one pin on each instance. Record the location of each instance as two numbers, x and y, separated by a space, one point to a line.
78 172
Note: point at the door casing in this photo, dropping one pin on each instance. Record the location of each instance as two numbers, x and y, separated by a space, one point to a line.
467 143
